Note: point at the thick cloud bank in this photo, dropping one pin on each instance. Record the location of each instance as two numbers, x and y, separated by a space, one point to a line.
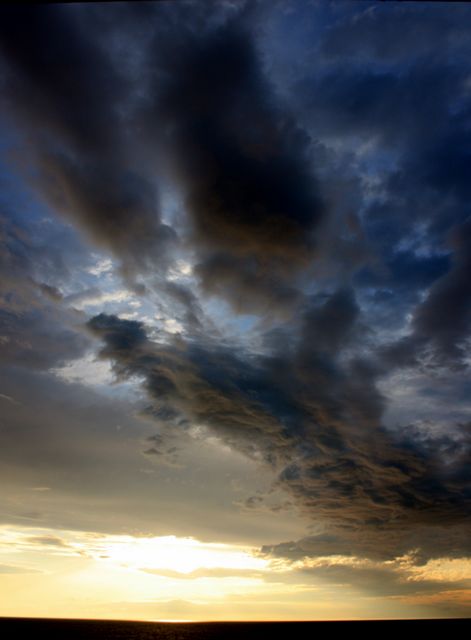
318 424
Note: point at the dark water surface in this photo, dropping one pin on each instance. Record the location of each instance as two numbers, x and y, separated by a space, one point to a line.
50 629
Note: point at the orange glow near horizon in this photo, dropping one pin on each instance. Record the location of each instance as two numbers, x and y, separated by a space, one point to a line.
70 574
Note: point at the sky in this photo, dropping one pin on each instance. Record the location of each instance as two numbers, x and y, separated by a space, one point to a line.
235 310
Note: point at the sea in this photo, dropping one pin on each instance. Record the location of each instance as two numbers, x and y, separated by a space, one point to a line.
60 629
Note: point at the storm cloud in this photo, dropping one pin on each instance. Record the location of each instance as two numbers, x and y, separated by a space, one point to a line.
75 116
317 424
250 190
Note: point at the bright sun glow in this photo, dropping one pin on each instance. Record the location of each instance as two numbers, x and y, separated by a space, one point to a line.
182 555
168 553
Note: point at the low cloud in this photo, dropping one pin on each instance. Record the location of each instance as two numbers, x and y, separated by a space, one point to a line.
317 425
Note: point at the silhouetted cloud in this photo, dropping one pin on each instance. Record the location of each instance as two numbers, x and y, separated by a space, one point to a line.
243 163
69 96
317 423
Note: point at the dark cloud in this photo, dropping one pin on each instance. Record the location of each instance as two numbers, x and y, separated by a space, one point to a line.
243 162
441 324
316 422
400 115
98 136
248 284
443 320
70 96
329 325
122 335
